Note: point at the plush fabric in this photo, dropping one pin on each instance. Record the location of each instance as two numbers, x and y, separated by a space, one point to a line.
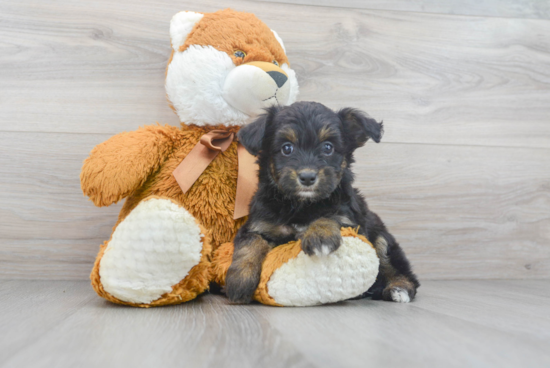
217 185
229 30
292 278
197 70
139 164
156 226
181 25
193 282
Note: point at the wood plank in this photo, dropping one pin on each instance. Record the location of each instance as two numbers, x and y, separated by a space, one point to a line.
463 212
450 83
440 328
76 66
31 309
459 211
203 333
493 8
48 229
494 304
419 333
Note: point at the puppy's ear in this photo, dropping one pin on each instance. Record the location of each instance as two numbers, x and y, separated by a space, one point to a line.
359 127
251 135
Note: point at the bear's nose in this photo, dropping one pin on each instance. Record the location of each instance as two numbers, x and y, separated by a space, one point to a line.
307 178
278 77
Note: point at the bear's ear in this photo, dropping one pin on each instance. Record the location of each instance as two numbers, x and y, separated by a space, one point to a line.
279 40
358 127
251 136
181 25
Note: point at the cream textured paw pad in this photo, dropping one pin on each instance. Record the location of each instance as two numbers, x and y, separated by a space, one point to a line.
292 278
150 251
313 280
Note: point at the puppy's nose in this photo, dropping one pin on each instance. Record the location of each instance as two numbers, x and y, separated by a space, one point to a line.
307 178
278 77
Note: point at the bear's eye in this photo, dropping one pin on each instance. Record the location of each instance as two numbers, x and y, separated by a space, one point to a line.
328 148
275 62
240 54
287 149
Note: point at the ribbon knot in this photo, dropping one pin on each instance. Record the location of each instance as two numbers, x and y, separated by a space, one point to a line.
204 152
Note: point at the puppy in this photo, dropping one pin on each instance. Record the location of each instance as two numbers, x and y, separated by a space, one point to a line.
305 192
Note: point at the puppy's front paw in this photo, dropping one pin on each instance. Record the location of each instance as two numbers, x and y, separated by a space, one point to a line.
321 238
319 245
240 285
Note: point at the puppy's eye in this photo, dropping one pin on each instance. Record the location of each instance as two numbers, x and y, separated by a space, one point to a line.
328 148
240 54
287 149
276 62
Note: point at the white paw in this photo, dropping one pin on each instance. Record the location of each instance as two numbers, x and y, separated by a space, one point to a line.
399 295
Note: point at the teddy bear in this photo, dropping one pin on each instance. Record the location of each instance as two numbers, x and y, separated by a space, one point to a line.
187 188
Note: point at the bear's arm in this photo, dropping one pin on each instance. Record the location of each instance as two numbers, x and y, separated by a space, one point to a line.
122 164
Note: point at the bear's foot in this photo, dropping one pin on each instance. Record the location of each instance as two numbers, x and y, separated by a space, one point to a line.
157 255
292 278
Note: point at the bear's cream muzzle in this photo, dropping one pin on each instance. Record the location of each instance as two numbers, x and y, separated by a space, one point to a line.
254 86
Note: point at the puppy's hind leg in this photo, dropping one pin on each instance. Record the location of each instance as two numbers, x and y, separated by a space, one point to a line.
243 276
398 282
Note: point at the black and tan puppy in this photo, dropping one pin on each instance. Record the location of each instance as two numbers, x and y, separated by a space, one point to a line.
305 192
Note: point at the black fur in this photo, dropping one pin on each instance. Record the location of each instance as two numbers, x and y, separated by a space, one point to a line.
285 209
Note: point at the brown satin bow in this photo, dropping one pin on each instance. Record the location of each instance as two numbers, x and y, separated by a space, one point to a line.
204 152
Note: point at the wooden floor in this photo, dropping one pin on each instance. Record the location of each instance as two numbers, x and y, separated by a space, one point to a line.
451 324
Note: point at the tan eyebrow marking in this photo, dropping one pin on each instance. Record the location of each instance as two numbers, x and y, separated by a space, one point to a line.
289 134
325 133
